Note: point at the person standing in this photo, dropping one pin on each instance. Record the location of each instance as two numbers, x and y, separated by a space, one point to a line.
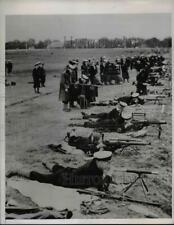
84 68
125 73
141 81
92 72
10 66
65 82
36 78
42 74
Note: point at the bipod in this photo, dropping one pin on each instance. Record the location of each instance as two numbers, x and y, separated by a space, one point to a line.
143 184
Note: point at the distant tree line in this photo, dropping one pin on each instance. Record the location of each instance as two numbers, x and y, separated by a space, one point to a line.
31 43
91 43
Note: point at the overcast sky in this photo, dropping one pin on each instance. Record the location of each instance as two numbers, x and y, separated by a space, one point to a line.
41 27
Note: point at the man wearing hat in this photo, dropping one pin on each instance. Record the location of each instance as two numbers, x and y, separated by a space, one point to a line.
136 99
84 68
87 144
132 99
72 66
42 74
9 66
91 174
36 77
141 81
73 89
65 82
113 114
113 118
124 69
92 69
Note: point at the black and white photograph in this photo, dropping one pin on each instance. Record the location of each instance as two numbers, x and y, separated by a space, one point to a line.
88 116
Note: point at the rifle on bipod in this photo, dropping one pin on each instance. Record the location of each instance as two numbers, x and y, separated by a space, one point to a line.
140 176
113 144
115 197
155 98
148 122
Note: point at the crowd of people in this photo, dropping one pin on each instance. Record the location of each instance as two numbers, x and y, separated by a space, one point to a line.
76 89
149 69
79 82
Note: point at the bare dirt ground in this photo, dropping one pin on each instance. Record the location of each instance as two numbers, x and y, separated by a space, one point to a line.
34 122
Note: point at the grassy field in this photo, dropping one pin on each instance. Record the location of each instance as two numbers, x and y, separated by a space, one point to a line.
55 59
33 123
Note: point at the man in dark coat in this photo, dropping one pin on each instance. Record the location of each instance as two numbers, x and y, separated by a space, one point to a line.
42 74
112 115
92 72
65 82
87 144
36 77
113 118
90 174
84 68
141 81
9 66
132 99
125 73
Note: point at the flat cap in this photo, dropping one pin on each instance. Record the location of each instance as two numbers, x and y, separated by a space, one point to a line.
123 104
103 155
71 66
135 95
38 63
85 77
126 115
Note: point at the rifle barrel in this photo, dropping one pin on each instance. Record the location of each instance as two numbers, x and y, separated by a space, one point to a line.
135 171
119 198
127 143
150 121
140 171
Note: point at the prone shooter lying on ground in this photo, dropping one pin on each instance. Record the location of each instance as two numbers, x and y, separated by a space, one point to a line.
119 120
132 99
95 142
95 173
91 174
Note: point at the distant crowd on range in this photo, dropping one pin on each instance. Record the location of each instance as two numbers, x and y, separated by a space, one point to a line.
83 89
79 83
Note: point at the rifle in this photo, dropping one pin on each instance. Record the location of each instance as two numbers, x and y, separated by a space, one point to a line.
115 197
123 143
155 98
37 213
140 176
104 103
139 172
148 122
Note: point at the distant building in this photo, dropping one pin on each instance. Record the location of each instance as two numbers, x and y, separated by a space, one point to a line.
56 44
